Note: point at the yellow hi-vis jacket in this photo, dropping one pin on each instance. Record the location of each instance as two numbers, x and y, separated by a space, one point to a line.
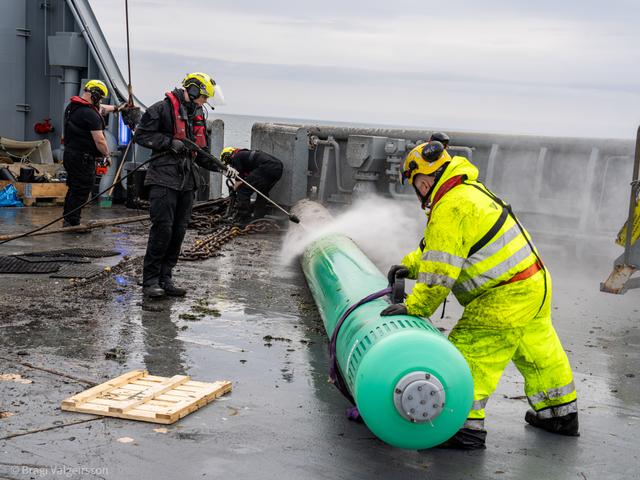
471 243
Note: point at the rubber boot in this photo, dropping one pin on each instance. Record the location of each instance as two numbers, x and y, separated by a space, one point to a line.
242 216
564 425
171 289
259 208
466 439
153 291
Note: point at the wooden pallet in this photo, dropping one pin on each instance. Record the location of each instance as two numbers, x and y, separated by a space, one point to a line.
34 193
139 396
30 202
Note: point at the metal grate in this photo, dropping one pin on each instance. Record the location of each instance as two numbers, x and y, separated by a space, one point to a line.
16 265
75 252
76 270
33 259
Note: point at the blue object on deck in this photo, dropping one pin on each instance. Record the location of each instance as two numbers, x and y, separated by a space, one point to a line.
9 197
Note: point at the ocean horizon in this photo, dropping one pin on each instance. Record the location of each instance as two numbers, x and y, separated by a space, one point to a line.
237 128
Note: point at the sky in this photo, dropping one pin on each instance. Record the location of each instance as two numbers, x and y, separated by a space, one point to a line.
560 68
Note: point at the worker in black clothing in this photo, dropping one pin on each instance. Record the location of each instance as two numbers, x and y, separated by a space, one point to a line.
84 145
441 137
259 169
172 176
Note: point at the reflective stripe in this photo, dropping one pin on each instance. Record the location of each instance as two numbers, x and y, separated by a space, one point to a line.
480 404
443 257
432 279
474 424
496 246
558 411
552 393
494 273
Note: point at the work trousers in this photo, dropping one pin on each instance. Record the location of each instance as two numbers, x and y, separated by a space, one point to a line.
513 323
263 179
170 211
81 174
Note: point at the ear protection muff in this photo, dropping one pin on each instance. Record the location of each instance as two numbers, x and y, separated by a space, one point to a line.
193 90
432 151
96 96
407 173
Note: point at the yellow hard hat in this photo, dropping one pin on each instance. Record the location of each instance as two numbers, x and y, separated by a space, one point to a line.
198 83
225 155
97 86
425 158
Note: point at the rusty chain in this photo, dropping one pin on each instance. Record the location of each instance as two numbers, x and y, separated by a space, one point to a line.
207 218
209 245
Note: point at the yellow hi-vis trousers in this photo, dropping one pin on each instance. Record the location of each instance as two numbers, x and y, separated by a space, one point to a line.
511 322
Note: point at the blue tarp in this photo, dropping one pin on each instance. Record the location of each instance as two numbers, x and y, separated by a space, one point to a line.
9 197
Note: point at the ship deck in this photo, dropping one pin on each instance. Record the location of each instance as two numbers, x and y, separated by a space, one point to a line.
250 319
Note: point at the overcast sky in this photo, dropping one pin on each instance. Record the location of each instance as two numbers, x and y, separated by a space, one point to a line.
548 67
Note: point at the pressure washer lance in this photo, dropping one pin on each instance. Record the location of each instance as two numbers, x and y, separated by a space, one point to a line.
195 148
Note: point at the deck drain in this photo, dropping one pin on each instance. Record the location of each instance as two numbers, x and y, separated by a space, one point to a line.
74 252
76 270
16 265
63 259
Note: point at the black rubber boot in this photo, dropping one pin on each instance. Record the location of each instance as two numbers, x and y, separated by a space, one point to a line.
153 291
466 439
565 425
171 289
259 208
66 224
241 219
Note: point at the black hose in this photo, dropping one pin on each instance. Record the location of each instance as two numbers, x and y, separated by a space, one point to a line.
26 234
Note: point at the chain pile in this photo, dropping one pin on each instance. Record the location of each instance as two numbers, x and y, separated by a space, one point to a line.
209 245
206 216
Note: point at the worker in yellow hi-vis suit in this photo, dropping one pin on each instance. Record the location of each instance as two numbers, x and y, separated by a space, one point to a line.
474 246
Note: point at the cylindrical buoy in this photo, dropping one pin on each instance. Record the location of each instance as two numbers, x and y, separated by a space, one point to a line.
412 387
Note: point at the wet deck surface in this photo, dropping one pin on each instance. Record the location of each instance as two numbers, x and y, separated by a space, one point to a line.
251 320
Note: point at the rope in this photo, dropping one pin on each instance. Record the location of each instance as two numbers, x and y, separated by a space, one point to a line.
24 158
129 86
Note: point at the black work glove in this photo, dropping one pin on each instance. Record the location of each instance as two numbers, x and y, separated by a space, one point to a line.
394 309
177 145
399 271
131 116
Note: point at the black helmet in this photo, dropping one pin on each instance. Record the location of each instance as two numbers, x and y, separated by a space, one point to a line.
441 137
432 151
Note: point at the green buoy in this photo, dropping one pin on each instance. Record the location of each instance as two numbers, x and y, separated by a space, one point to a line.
412 387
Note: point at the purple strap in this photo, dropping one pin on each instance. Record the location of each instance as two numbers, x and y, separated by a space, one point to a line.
334 370
354 415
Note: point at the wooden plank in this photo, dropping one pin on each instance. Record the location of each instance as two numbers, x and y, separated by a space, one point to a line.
128 388
215 390
144 383
170 397
134 414
156 378
103 387
48 189
150 393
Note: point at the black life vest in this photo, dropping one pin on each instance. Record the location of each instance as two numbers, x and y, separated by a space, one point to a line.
76 102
